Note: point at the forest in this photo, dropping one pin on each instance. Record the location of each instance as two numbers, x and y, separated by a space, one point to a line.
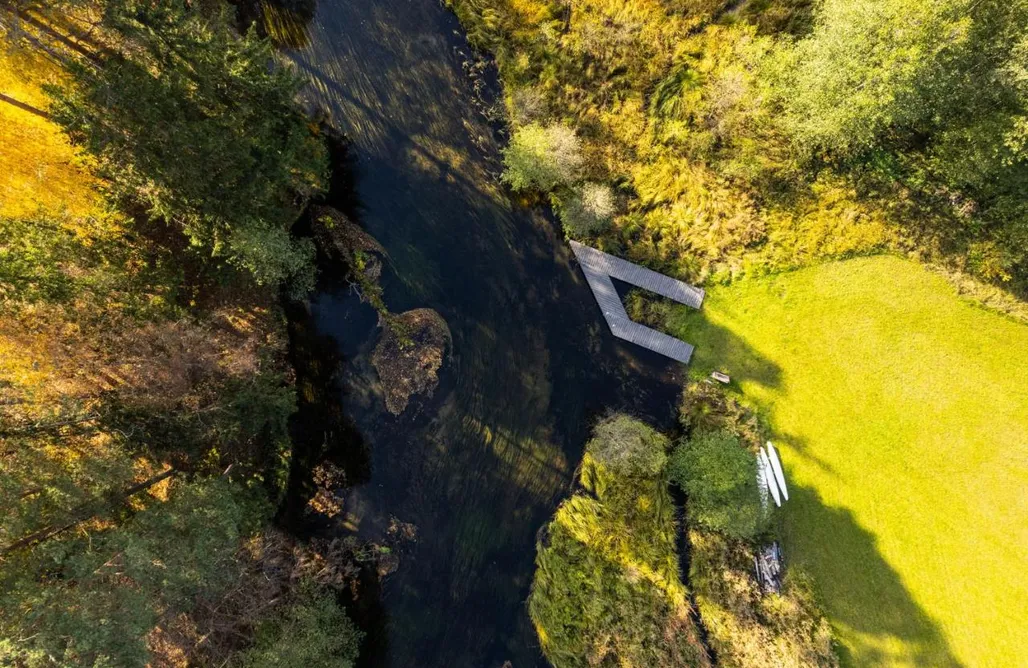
154 167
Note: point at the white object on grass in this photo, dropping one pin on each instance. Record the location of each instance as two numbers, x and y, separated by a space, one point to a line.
762 485
776 466
769 478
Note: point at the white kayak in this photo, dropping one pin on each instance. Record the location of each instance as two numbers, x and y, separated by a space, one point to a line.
776 466
769 478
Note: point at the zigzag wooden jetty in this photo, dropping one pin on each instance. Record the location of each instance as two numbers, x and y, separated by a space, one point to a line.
600 267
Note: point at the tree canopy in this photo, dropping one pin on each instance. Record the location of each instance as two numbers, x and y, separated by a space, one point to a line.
719 476
195 122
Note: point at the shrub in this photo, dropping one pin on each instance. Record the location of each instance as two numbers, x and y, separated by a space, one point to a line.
527 105
313 632
628 447
542 157
719 476
587 210
746 628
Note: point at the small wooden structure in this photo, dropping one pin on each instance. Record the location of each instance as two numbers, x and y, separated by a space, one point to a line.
768 567
599 268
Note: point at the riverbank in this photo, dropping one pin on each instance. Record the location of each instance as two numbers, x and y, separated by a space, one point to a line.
669 109
145 389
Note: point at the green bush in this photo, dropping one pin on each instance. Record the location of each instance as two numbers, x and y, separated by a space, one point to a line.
542 158
719 476
585 210
628 447
313 632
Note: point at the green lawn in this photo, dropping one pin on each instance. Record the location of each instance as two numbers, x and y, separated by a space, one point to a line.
902 412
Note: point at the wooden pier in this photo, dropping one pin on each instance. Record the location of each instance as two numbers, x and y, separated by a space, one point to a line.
599 268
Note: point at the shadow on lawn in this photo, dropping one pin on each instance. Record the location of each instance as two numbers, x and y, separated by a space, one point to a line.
863 595
715 345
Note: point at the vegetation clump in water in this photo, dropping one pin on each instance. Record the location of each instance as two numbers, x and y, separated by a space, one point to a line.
345 244
409 354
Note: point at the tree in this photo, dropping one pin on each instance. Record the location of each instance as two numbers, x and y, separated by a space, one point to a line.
542 158
719 476
867 68
93 602
628 447
585 210
932 94
312 632
192 120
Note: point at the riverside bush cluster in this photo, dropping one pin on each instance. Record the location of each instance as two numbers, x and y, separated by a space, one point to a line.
776 135
607 589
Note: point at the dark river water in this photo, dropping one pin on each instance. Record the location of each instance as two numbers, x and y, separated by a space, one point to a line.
480 466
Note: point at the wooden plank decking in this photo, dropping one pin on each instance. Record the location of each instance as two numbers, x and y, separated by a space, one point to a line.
599 268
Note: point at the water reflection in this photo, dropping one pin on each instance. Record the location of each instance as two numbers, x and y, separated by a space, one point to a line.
480 467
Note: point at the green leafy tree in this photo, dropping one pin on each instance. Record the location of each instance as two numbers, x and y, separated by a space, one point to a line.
932 94
47 486
313 632
193 120
867 68
542 158
719 476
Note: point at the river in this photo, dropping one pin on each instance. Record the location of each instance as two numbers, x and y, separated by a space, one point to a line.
480 467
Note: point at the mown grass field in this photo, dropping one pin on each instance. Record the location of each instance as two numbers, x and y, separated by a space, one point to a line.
902 412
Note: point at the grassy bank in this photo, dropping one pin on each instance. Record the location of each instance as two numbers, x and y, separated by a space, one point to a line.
676 138
902 412
607 588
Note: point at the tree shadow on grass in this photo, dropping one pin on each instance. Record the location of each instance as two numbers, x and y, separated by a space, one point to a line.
716 348
720 349
863 596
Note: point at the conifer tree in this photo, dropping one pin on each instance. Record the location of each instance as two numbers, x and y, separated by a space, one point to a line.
196 123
